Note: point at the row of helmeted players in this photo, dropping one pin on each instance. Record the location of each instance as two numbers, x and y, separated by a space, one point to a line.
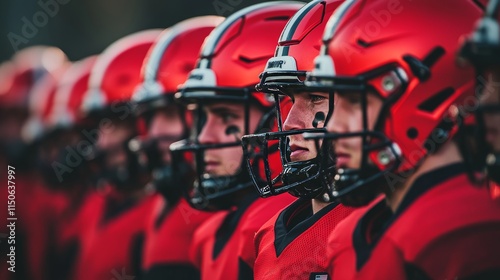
368 129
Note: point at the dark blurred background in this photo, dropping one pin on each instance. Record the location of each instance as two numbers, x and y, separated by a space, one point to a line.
84 27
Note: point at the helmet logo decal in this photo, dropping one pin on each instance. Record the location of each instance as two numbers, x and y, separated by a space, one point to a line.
201 77
148 90
281 63
323 66
276 64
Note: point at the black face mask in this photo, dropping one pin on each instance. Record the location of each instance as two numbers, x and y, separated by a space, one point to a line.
168 181
60 174
218 192
128 177
485 156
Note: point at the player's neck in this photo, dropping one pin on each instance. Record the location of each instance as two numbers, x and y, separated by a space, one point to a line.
318 204
448 154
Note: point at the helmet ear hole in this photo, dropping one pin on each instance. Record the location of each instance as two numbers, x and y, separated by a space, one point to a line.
412 133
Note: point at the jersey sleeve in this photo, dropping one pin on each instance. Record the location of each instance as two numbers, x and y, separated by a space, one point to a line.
467 253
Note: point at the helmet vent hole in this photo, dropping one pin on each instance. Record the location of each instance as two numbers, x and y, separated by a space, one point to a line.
251 60
412 133
285 18
436 54
436 100
363 43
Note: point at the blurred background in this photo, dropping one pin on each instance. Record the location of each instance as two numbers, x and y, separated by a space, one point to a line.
84 27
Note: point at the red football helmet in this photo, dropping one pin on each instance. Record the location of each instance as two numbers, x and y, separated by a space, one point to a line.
41 105
284 74
117 72
18 76
28 66
230 62
171 59
167 66
405 54
69 95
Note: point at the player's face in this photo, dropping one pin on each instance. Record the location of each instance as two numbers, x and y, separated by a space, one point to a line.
301 116
347 117
51 147
112 142
226 161
491 96
166 122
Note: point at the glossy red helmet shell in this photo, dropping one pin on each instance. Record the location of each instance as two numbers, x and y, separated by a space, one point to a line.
41 104
70 92
117 71
173 56
235 53
26 67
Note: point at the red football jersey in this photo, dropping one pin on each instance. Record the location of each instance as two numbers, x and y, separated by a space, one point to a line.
291 245
112 248
445 228
38 210
495 190
223 246
168 237
73 230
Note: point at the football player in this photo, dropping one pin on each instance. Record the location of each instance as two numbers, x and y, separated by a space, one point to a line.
222 90
65 168
172 223
281 243
113 244
481 50
38 207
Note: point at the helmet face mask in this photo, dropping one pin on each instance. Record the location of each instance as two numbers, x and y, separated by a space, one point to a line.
114 159
301 178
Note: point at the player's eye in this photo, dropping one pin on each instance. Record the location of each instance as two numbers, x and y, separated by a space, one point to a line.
315 98
354 98
228 117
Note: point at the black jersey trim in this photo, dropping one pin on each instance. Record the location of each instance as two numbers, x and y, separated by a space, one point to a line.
422 184
245 272
284 235
115 208
229 225
177 271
